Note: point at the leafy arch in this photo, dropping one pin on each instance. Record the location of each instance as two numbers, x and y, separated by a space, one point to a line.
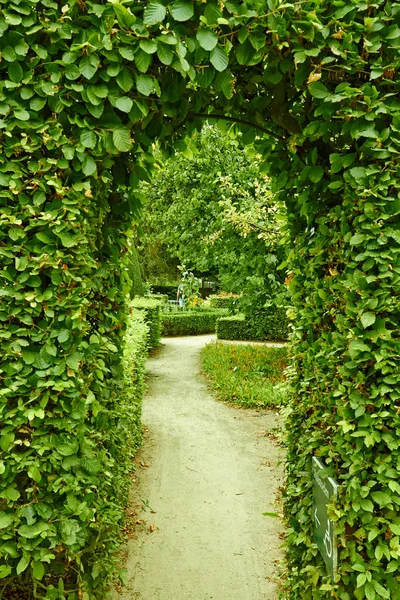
85 89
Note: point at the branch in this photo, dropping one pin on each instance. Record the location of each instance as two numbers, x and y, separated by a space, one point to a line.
237 120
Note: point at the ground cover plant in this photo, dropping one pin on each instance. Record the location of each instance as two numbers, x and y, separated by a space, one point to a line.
85 89
247 375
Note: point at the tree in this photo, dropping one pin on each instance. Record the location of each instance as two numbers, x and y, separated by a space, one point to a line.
85 89
213 209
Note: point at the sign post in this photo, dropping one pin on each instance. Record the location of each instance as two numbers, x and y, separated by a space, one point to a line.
324 489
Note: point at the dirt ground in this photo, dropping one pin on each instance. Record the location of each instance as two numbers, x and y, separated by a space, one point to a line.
208 473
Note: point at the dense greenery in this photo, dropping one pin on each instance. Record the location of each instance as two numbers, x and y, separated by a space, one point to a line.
137 287
151 308
85 88
228 301
269 325
190 322
250 376
213 210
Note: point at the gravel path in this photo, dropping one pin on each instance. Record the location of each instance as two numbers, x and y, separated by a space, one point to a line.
208 473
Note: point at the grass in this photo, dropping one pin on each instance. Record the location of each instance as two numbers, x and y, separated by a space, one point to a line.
250 376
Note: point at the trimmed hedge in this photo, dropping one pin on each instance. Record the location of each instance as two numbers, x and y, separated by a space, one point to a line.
190 322
134 361
135 276
227 302
152 311
262 326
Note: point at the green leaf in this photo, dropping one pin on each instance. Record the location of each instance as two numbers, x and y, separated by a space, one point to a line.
38 570
23 564
5 571
124 104
34 473
63 336
145 84
367 505
219 58
148 46
316 174
244 53
124 15
165 54
369 591
32 531
37 103
15 72
88 66
380 590
367 319
361 579
356 347
9 54
357 239
88 138
212 13
89 166
22 115
358 173
6 519
124 80
142 61
318 90
122 139
154 13
207 39
381 498
181 10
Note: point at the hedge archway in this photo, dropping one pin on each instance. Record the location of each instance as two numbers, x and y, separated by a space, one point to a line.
86 87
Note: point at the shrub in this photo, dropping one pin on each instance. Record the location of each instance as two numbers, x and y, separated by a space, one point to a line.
152 311
251 376
134 360
190 322
134 274
261 326
228 302
162 297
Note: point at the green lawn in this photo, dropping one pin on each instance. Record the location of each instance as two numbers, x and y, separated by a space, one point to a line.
247 375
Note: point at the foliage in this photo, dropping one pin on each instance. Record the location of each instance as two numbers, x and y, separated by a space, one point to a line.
151 308
228 301
251 376
134 274
85 89
189 286
134 360
213 209
265 325
192 322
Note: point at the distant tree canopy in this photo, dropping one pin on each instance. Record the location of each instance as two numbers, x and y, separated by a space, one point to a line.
213 209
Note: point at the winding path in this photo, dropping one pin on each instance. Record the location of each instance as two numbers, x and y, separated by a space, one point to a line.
208 473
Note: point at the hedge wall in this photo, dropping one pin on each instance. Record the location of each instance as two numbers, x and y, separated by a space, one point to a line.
227 302
152 311
264 326
190 323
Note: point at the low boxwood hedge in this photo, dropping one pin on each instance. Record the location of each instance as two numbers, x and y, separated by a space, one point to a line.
152 311
266 325
190 322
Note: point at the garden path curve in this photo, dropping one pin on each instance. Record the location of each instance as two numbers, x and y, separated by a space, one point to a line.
208 471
